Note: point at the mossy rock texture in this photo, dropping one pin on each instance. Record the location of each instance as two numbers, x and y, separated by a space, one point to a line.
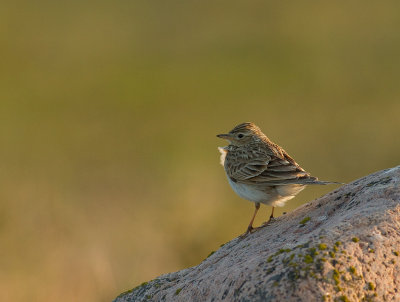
326 258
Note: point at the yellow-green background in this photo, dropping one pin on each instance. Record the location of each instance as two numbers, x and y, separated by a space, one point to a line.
109 169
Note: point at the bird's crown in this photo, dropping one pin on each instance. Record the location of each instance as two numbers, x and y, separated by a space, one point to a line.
247 127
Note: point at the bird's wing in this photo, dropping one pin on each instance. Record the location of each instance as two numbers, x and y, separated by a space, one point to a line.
268 169
243 168
282 171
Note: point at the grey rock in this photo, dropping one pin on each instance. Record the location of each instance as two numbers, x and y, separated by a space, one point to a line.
343 246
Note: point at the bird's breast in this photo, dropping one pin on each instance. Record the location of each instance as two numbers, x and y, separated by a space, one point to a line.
251 193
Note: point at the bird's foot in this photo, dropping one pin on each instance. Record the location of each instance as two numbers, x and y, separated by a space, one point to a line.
250 230
270 220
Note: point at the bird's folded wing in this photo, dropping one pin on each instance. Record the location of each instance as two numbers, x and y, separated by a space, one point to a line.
241 170
279 171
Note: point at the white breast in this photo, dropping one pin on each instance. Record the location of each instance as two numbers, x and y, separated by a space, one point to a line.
249 193
223 155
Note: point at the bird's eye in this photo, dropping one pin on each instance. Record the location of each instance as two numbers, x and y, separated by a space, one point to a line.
240 135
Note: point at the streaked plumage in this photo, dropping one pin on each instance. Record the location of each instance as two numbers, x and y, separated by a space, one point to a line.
259 170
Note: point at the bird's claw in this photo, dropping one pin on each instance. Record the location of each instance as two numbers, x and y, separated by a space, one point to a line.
270 220
249 231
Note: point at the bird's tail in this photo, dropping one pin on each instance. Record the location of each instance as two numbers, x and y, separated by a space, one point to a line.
321 182
300 181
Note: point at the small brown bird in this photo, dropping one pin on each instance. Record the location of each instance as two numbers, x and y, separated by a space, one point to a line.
260 171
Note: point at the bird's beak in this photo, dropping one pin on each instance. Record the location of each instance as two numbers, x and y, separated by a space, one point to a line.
224 136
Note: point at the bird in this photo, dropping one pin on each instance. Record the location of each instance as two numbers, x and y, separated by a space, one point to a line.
260 171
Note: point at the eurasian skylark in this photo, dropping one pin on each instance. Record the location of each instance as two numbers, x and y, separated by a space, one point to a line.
260 171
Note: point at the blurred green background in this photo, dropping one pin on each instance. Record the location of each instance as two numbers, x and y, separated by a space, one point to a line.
109 166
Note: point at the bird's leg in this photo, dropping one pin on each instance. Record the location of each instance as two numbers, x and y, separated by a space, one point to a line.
250 227
271 218
272 214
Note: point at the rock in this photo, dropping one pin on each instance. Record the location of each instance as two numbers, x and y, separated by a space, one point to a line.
343 246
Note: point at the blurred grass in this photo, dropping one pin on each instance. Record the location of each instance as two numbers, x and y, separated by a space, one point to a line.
108 115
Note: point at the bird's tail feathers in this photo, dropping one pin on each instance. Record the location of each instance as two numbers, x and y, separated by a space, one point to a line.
321 182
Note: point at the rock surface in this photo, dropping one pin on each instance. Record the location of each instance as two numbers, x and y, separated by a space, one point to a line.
343 246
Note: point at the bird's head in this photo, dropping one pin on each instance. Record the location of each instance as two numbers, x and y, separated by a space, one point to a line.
242 134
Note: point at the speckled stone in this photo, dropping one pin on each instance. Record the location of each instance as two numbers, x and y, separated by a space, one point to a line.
348 250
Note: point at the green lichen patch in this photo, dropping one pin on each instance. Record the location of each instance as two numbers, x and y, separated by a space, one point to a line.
335 248
212 252
178 291
313 251
311 261
301 246
336 276
337 243
344 298
281 251
371 251
305 220
396 253
371 286
308 259
133 289
126 292
355 239
304 265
